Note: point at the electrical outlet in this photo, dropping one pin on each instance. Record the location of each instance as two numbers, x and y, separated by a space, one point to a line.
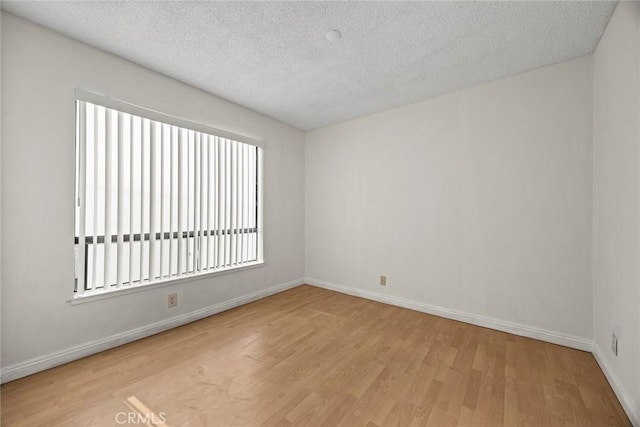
383 280
172 300
614 344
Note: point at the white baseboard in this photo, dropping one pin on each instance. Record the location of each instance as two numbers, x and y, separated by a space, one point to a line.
616 385
474 319
37 364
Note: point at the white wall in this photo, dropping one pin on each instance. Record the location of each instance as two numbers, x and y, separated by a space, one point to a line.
40 70
477 201
616 201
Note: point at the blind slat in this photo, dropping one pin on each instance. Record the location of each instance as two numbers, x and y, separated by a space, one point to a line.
214 186
203 203
153 208
249 204
238 194
81 198
227 225
232 203
197 183
131 199
143 205
108 149
191 202
96 162
162 199
120 191
172 223
188 202
222 202
243 197
180 206
258 203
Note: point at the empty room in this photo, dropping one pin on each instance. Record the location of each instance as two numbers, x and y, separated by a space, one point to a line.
289 213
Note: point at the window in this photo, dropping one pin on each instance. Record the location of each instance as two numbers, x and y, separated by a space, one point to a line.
160 198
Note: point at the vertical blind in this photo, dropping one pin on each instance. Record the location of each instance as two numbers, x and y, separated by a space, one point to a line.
159 198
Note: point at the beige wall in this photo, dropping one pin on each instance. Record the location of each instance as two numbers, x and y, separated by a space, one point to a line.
478 201
40 70
616 202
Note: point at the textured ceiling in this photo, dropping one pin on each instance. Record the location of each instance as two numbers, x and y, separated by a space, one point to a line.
273 57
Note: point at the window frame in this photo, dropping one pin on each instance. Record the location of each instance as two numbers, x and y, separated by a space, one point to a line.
150 114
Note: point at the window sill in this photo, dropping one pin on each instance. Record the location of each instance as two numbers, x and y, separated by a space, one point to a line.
89 296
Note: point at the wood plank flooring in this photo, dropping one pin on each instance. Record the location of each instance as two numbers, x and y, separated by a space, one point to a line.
310 357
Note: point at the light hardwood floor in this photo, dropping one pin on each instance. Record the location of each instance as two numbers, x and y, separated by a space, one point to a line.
308 357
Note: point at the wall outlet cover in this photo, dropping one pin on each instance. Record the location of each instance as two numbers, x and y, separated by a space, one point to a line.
172 300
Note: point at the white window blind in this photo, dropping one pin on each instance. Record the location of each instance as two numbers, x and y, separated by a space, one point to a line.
160 198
